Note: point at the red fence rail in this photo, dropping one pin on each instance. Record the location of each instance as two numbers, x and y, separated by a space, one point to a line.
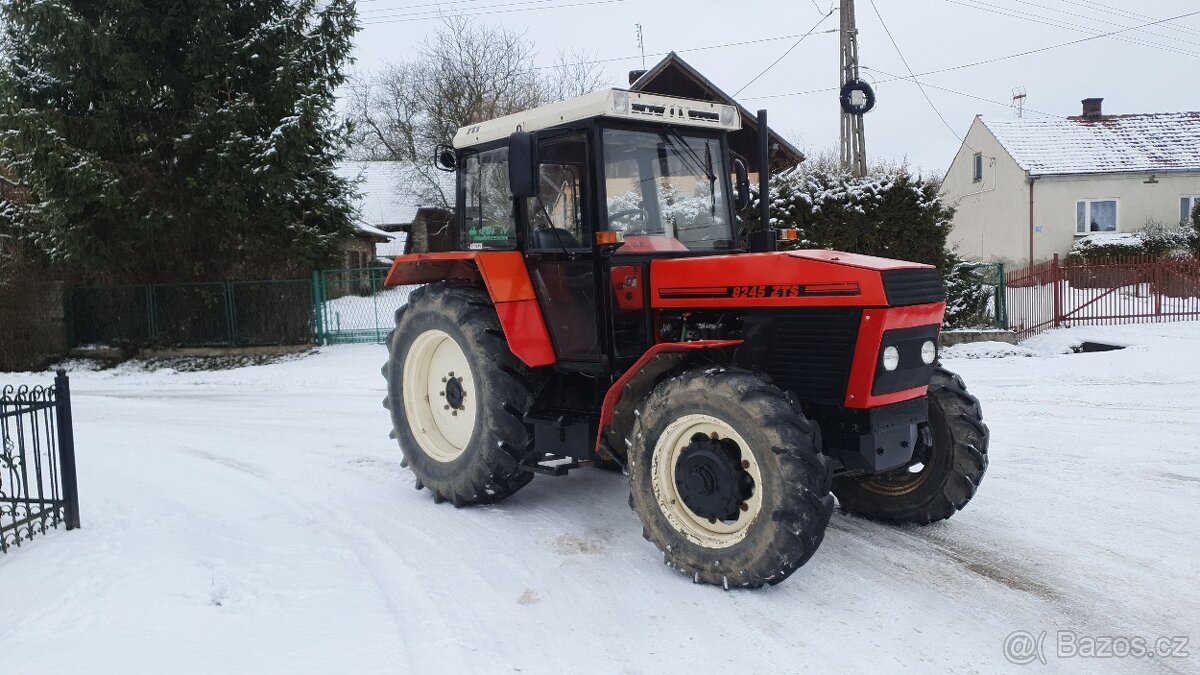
1110 291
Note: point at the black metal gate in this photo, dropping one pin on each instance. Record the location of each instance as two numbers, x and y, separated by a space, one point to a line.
38 491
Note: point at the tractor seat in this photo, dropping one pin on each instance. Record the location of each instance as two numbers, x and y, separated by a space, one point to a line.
553 238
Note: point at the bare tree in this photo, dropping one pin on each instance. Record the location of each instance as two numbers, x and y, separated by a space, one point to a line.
466 72
573 74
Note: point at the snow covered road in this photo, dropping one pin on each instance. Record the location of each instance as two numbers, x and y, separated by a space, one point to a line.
258 521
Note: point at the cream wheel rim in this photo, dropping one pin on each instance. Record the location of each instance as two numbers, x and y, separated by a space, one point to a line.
701 531
439 395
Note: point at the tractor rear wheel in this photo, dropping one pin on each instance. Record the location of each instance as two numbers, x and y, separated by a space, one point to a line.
947 470
726 478
456 395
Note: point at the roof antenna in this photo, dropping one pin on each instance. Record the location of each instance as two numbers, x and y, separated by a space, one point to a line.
1018 100
641 44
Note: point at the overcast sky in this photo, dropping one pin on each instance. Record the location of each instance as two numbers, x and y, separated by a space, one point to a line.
1153 69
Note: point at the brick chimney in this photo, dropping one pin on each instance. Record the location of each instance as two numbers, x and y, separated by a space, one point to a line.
1091 108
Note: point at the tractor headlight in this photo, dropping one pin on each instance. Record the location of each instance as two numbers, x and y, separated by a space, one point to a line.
891 358
727 113
928 352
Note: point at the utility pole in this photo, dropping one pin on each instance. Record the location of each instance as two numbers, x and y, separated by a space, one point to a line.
854 141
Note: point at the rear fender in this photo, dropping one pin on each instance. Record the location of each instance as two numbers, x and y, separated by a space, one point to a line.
506 278
624 396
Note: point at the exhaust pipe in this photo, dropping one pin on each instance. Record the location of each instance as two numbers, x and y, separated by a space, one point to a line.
764 169
765 239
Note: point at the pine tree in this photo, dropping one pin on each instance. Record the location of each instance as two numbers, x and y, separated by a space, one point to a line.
889 213
174 139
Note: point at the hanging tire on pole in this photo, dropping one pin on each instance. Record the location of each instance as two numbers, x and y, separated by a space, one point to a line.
726 478
456 395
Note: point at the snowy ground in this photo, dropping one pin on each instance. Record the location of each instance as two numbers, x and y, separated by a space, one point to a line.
258 521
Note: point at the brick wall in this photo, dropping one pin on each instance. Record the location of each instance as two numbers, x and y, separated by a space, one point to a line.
32 328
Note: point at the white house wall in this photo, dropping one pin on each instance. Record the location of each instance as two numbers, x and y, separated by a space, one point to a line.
1054 200
991 220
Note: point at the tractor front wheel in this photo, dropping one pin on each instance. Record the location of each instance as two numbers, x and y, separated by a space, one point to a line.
726 478
456 394
950 460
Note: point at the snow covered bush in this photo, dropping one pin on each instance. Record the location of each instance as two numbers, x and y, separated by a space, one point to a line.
1103 245
1161 239
890 212
969 296
1154 240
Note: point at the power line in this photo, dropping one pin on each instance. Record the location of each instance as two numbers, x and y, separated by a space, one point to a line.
1089 17
900 78
781 57
481 12
1006 57
437 9
1124 13
907 67
1057 23
419 5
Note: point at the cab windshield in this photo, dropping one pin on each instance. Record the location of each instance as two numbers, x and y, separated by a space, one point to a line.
666 191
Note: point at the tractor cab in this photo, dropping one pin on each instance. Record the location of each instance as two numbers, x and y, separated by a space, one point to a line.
591 189
651 169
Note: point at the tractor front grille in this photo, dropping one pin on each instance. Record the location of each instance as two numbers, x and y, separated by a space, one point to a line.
913 287
806 351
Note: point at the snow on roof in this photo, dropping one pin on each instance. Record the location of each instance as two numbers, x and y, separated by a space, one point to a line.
374 231
1142 143
393 192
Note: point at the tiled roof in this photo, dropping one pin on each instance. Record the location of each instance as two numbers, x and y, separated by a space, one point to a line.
393 192
1145 143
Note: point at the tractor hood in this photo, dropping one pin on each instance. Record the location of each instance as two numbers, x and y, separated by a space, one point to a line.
792 279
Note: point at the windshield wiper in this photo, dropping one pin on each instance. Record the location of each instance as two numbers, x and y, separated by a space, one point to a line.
696 158
705 166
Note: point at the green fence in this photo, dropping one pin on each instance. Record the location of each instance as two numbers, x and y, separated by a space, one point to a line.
354 307
991 274
224 313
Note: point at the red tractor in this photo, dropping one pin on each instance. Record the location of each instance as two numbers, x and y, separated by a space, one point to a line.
600 308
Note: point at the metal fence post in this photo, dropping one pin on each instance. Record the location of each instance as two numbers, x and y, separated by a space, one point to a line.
318 318
1056 278
66 448
1157 283
231 330
151 313
1001 298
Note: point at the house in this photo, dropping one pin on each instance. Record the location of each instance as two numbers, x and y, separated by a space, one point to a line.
1026 189
675 77
401 206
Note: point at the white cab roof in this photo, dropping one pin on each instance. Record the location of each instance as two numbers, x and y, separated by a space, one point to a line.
609 103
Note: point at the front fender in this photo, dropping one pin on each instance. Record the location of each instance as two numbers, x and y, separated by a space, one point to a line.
623 397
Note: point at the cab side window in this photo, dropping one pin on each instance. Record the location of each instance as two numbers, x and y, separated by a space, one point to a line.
556 214
488 221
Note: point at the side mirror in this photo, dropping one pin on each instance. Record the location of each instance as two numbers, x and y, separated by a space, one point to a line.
521 164
445 158
741 184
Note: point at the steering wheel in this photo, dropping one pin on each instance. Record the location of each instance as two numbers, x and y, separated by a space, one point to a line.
627 215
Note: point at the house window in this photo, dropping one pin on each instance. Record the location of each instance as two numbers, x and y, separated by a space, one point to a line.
1095 215
978 167
1186 206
